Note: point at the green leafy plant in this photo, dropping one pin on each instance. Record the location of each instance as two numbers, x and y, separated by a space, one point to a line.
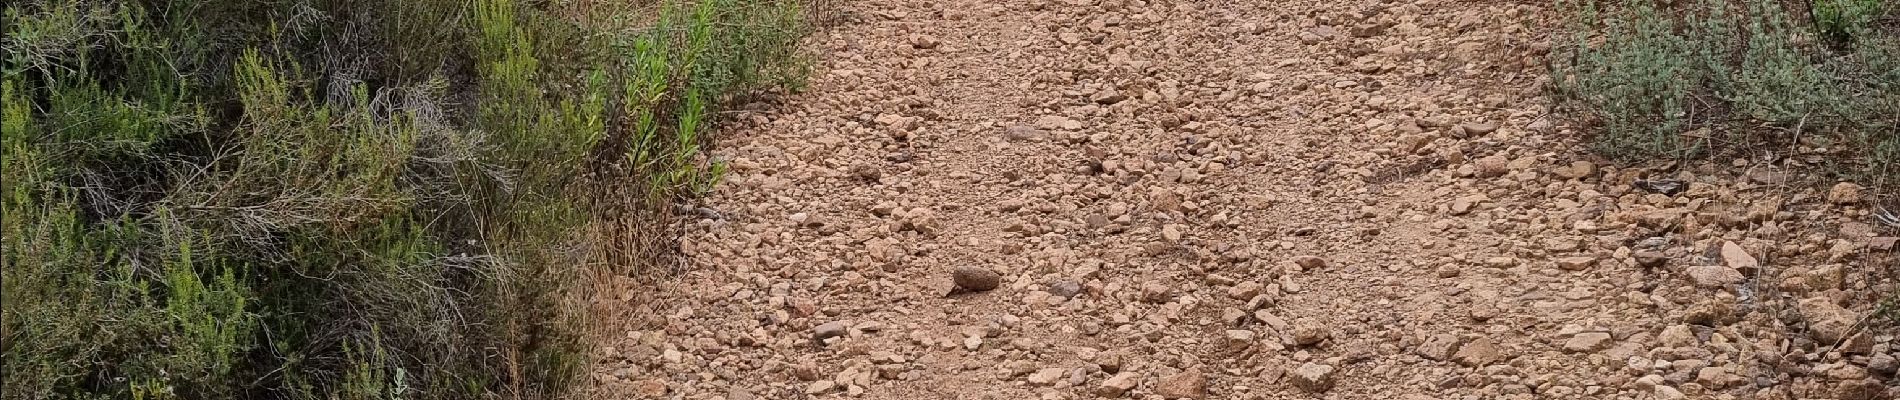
1715 77
326 199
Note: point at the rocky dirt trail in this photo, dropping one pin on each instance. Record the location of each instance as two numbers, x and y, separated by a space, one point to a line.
1347 199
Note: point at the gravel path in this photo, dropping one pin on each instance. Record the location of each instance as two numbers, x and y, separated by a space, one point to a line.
1346 199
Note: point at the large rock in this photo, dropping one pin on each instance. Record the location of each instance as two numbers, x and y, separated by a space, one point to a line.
1438 347
1478 353
975 279
1189 384
1118 385
1312 377
1828 323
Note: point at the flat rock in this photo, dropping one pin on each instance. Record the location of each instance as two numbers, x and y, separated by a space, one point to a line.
1738 258
1189 384
1438 347
1828 323
1478 352
1587 342
1714 276
1047 376
1118 385
1315 378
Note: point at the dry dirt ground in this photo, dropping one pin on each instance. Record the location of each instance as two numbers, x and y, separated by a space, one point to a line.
1346 199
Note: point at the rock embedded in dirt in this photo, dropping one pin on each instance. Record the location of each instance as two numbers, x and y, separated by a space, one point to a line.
1738 258
1023 133
1650 259
975 279
1827 322
1493 166
1438 347
1845 193
830 330
1310 262
1477 353
1309 333
1245 290
1587 342
1047 376
1118 385
1578 170
1239 339
1065 288
1313 378
1576 263
1478 128
820 387
1189 384
1714 276
1677 336
650 388
1156 292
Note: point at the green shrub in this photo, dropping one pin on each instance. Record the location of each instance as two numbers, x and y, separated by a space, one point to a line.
341 199
1715 77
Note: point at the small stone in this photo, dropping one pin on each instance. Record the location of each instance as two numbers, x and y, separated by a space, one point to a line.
1827 322
1189 384
1478 353
1714 377
1478 128
1314 378
1110 96
1861 389
1884 364
1171 232
1542 125
829 330
975 279
1244 290
1047 376
1118 385
1310 262
1239 338
1066 288
1714 276
1576 263
650 388
1156 292
1677 336
820 387
1578 170
1310 333
1501 262
1738 258
1587 342
1650 259
1461 206
1493 166
1023 133
1664 392
1711 312
1438 347
1845 193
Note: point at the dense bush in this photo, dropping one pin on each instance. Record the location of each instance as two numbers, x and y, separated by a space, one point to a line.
1812 79
342 198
